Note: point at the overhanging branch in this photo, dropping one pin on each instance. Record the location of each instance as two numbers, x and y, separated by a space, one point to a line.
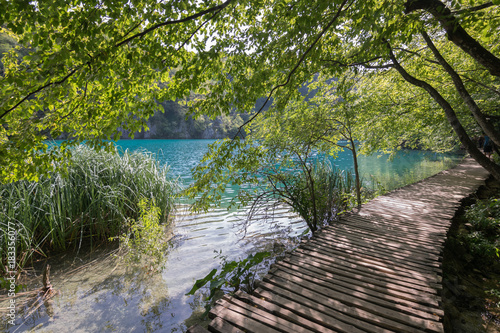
294 69
456 33
215 9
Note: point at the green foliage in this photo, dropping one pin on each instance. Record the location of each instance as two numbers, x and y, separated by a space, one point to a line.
280 158
90 202
233 275
318 192
228 162
95 69
145 237
397 116
495 293
280 173
483 239
5 284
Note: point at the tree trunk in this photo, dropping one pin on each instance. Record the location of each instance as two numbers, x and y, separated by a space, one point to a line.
356 171
487 127
470 146
456 33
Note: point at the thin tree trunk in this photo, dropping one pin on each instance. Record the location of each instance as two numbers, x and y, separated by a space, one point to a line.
464 138
356 171
310 185
46 279
487 127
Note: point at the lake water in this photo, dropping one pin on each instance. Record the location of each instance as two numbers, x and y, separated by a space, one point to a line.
106 295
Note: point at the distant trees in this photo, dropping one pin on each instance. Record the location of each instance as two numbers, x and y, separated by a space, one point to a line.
175 122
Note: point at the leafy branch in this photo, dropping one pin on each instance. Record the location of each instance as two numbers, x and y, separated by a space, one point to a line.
296 67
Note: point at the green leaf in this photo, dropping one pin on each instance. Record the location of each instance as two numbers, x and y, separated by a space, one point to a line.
201 282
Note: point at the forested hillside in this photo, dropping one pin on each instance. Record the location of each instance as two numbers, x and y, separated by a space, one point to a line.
176 123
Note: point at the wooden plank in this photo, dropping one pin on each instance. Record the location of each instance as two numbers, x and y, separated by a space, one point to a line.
356 277
415 222
396 315
393 260
336 262
219 325
376 270
244 322
421 205
405 258
278 310
264 317
393 225
361 284
436 217
389 239
385 266
385 229
371 241
410 223
364 294
438 209
384 318
325 314
402 213
377 249
197 329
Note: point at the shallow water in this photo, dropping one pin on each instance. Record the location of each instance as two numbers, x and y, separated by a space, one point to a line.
109 296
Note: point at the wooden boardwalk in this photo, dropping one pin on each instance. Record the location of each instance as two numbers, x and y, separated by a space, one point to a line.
377 270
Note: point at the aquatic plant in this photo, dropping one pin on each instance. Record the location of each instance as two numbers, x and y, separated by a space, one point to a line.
145 237
320 194
383 183
89 203
233 276
317 191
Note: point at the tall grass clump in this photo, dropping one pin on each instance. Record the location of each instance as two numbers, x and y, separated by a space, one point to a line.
317 191
321 194
89 203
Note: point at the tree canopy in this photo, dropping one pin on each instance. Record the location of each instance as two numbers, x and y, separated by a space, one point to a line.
429 69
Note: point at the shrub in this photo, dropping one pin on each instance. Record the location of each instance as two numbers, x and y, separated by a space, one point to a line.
483 239
233 275
320 195
145 237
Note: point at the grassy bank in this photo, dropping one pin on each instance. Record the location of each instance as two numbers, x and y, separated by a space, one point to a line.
88 204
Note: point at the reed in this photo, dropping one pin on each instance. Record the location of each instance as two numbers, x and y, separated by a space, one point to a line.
317 192
334 192
88 203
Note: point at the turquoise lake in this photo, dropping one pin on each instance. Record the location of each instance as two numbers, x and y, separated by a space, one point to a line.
182 155
106 295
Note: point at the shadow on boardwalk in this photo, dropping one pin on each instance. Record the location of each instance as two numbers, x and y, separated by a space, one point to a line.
377 270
